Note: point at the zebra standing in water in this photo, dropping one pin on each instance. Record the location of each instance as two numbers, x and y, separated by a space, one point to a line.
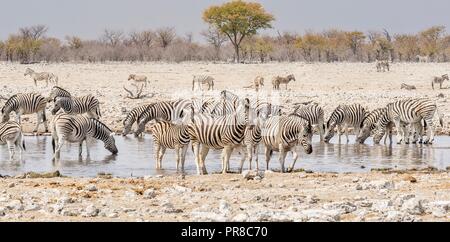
23 104
369 125
343 117
161 111
78 128
202 80
313 113
74 105
11 134
132 118
41 76
224 132
283 134
168 135
409 111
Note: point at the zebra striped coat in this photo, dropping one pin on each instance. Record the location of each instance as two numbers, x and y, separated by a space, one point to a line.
168 135
86 104
41 76
78 128
11 134
345 116
132 118
224 132
23 104
409 111
439 80
283 134
276 81
313 113
201 80
162 111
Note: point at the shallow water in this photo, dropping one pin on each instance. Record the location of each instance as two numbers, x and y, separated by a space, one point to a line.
135 158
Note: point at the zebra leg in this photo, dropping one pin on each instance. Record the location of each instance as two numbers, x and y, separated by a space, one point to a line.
243 158
250 156
183 157
161 155
44 120
321 130
204 153
157 148
58 148
226 158
80 150
196 148
282 157
399 130
295 157
339 133
346 132
11 148
38 122
177 153
255 149
430 132
267 152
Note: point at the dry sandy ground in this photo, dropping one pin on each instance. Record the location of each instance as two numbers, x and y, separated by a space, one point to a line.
328 84
374 196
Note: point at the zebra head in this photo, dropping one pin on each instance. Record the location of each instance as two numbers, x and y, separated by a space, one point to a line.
57 92
62 103
291 77
131 77
28 71
127 124
305 138
103 133
246 115
335 119
445 77
366 129
148 115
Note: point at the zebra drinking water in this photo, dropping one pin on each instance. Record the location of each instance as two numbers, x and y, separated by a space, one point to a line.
78 128
313 113
343 117
11 134
283 134
132 118
23 104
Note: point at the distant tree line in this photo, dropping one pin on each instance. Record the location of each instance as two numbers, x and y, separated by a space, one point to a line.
31 44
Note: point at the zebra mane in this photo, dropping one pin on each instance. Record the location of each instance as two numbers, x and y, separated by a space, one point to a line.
8 102
99 123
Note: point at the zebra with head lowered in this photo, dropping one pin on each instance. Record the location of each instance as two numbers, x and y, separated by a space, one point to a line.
132 118
409 111
23 104
283 134
161 111
168 135
78 128
343 117
201 80
370 123
223 132
313 113
276 81
74 105
41 76
439 80
11 134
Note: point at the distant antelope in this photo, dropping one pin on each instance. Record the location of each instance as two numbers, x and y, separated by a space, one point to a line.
203 80
138 79
382 65
257 83
439 80
41 76
423 59
276 81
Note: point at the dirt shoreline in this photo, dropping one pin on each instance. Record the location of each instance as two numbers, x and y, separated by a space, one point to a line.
414 195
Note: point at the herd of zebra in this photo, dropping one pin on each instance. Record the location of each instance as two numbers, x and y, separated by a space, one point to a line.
227 122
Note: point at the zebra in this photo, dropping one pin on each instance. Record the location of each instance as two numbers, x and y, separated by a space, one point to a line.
409 111
86 104
283 134
167 135
58 92
161 111
439 80
382 65
276 81
201 80
423 59
41 76
138 79
313 113
26 103
369 125
224 132
11 134
343 117
132 118
78 128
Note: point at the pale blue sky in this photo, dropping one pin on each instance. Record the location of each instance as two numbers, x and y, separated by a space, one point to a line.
88 18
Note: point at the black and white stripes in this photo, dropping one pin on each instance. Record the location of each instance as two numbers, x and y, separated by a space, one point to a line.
11 135
343 117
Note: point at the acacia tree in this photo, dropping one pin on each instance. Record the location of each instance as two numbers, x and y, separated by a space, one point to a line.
238 20
429 40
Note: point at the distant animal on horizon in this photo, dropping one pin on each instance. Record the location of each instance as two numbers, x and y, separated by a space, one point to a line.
201 80
276 81
407 87
422 59
138 79
41 76
439 80
257 83
382 65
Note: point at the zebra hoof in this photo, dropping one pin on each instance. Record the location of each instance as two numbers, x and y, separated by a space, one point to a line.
290 169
